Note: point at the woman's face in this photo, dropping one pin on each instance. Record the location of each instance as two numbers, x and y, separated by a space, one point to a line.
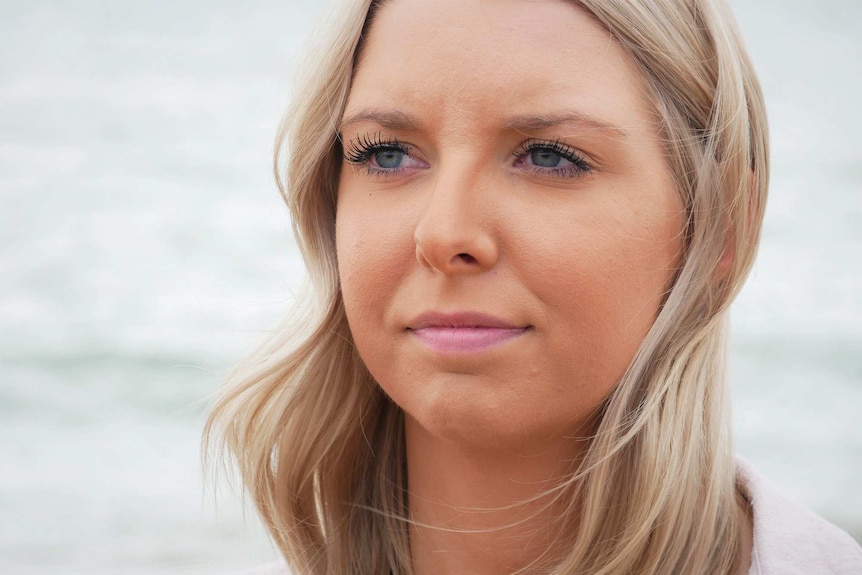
506 223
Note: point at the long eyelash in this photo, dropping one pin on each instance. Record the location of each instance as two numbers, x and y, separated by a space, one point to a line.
557 147
359 150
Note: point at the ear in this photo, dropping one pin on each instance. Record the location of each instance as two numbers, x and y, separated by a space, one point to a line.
727 257
726 261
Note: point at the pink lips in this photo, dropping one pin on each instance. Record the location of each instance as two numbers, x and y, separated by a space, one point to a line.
462 333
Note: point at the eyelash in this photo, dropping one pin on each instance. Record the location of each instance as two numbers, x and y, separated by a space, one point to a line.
359 151
579 166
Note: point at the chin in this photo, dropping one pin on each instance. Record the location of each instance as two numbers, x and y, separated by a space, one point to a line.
475 413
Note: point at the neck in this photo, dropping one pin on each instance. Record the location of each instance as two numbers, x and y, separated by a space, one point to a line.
480 512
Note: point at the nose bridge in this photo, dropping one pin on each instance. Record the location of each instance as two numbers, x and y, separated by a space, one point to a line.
454 231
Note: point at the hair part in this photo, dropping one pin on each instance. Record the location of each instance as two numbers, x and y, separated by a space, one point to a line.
319 446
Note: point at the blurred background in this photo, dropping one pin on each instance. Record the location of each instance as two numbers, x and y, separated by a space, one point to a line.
144 249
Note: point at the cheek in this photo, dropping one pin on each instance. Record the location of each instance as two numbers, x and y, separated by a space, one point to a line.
372 246
362 262
604 280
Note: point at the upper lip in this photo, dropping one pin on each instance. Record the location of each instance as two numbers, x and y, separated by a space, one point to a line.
463 319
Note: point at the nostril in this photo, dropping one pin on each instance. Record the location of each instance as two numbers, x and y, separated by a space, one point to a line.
467 258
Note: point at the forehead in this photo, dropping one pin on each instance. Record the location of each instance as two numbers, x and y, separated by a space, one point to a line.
486 60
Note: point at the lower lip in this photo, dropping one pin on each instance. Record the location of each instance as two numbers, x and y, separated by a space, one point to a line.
465 340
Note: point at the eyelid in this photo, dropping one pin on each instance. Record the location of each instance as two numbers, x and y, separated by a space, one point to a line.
360 148
581 165
556 145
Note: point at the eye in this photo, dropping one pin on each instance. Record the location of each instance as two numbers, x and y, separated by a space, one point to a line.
389 158
380 156
551 158
545 158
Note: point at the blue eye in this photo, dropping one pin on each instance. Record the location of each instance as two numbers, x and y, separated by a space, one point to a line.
381 157
551 158
545 158
388 159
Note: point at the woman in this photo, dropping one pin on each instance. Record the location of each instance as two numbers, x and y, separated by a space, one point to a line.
524 222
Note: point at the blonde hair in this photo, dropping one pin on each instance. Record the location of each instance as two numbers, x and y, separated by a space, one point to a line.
320 447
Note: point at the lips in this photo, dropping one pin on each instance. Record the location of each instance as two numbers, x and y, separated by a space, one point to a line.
463 333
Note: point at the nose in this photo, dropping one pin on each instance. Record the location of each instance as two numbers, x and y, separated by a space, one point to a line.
454 233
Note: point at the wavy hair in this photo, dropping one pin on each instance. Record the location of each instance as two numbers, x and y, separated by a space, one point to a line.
320 448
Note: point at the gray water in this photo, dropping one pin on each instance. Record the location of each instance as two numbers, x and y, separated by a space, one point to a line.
143 249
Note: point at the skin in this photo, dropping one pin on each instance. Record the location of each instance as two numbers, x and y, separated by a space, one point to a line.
455 216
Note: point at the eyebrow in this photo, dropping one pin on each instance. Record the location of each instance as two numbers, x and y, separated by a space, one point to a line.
575 119
397 120
392 120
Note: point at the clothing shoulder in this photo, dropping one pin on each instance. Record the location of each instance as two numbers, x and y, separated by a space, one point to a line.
791 540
